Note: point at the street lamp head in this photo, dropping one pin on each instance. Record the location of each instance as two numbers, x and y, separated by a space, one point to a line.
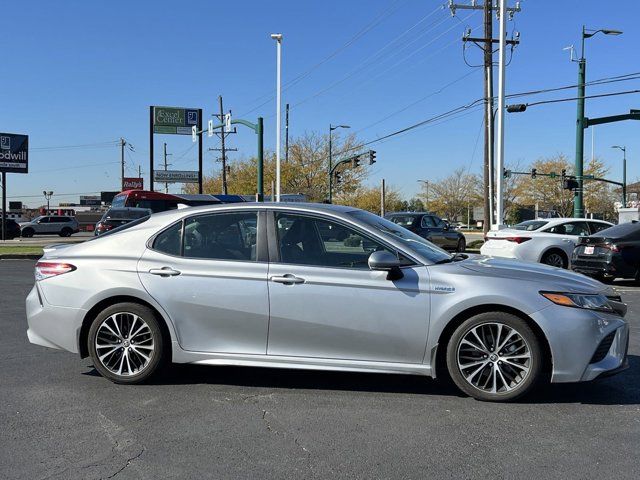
44 192
277 36
588 33
620 147
50 193
334 127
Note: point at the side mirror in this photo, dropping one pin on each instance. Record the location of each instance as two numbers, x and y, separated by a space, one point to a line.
446 226
386 262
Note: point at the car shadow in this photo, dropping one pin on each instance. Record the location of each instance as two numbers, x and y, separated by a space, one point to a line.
621 389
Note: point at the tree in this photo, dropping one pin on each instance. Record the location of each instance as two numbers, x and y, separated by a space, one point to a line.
306 172
452 196
548 193
368 198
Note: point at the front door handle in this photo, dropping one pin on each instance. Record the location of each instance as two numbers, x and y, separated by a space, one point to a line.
164 272
287 279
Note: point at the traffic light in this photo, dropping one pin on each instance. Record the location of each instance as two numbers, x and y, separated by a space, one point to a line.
372 157
534 172
506 173
355 161
569 184
564 173
338 177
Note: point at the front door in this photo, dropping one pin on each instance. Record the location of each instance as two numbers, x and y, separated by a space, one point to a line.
206 272
326 303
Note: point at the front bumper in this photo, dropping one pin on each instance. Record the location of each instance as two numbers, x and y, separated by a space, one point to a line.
52 326
574 336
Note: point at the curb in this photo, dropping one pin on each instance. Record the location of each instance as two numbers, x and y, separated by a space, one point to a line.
20 256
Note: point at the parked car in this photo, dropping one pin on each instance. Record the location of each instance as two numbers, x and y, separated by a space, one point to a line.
550 240
115 217
52 224
12 229
611 253
430 227
203 285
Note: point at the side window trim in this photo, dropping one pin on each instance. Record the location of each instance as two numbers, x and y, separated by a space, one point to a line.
274 250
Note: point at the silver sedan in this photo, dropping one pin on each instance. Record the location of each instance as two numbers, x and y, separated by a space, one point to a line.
319 287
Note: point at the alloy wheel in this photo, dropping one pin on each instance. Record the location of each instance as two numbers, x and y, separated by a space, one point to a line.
124 344
494 358
555 260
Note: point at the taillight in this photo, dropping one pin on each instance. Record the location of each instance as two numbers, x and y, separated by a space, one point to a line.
517 240
51 269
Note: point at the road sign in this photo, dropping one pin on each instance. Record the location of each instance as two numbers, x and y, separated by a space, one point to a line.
90 200
132 183
14 153
175 176
227 122
174 120
210 128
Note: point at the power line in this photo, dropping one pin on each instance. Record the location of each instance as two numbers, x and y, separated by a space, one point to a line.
375 22
112 143
612 94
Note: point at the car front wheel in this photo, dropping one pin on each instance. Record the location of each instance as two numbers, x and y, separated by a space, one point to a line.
125 343
27 232
494 356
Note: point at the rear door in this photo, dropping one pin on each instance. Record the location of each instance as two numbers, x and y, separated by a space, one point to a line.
209 273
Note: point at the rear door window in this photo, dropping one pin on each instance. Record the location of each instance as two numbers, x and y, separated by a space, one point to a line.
222 236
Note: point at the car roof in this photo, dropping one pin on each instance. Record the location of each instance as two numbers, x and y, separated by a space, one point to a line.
555 221
301 206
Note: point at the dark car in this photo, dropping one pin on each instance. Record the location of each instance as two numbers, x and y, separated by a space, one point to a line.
611 253
115 217
12 229
431 227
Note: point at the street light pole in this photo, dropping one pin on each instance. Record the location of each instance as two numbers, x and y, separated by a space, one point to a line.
501 94
624 173
578 203
426 183
331 129
47 196
278 38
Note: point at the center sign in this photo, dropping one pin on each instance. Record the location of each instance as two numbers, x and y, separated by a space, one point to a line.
174 121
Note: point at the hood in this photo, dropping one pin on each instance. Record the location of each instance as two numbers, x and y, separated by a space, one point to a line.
549 278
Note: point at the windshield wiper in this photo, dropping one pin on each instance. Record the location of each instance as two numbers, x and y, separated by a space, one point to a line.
453 258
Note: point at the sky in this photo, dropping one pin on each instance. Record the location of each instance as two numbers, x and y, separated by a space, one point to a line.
79 75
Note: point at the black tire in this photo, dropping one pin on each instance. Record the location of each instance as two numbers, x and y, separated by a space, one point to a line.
461 246
555 258
27 232
66 232
156 354
494 361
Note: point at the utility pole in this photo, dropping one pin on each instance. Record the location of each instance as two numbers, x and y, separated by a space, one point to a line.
166 184
223 148
123 143
486 45
382 198
499 221
286 133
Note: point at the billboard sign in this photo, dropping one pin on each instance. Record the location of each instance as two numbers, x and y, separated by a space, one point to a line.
90 200
175 176
13 206
14 153
174 120
131 183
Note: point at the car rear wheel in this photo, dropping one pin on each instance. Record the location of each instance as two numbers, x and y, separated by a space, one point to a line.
461 246
28 232
66 232
125 343
494 356
555 259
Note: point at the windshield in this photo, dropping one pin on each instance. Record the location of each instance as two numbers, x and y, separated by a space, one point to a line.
530 225
408 239
403 220
121 228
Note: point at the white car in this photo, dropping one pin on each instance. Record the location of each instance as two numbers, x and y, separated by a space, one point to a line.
549 241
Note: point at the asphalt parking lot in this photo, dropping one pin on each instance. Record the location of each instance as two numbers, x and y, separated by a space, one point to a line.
59 419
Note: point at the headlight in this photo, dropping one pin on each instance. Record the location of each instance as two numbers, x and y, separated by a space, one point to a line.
579 300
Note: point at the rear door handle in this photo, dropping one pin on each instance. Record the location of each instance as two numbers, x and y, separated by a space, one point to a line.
287 279
164 272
